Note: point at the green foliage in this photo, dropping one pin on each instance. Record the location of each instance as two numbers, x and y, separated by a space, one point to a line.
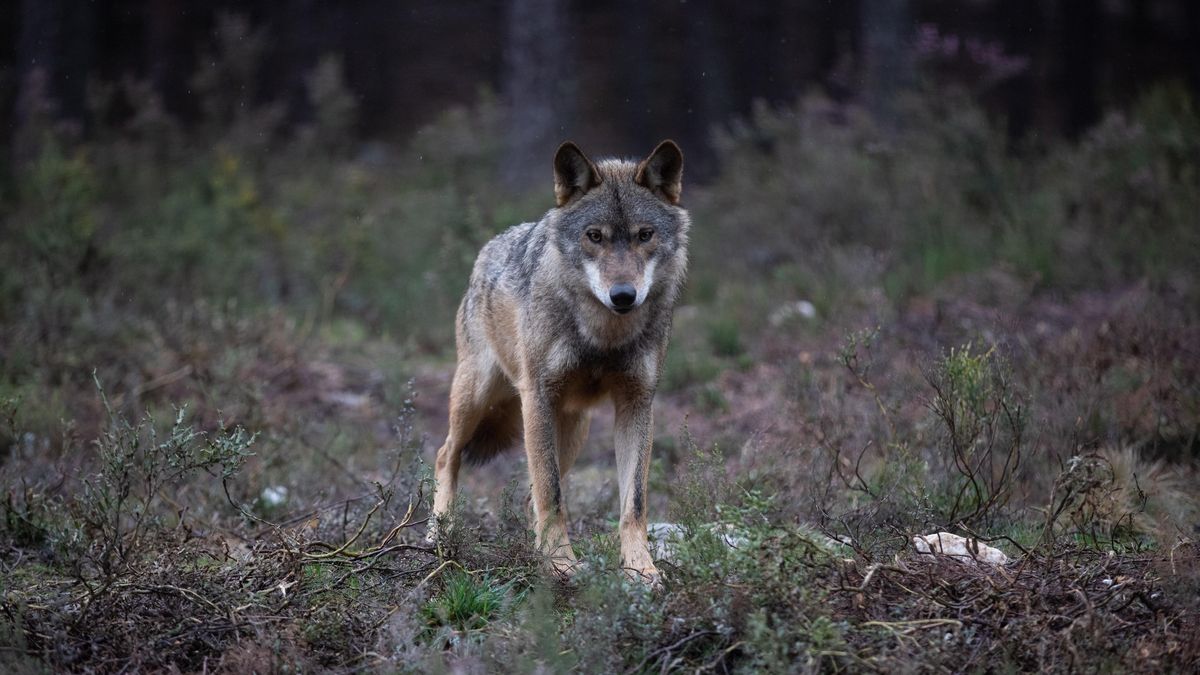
226 81
983 426
949 195
968 383
250 270
960 469
33 520
212 224
536 641
334 106
135 463
1131 190
687 367
614 623
58 201
725 336
710 399
776 646
704 483
386 240
468 603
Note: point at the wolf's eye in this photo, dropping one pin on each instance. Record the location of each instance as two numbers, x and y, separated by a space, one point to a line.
595 236
645 235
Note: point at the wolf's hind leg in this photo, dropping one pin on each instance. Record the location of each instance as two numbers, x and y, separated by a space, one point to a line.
473 387
572 434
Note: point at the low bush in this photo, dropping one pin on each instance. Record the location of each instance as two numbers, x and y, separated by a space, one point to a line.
944 193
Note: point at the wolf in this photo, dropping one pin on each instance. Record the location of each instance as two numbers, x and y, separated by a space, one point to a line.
559 316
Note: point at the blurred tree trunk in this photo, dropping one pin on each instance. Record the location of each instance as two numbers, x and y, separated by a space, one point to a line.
638 67
538 86
58 37
887 55
164 34
707 96
755 35
54 59
1023 33
1080 28
1192 40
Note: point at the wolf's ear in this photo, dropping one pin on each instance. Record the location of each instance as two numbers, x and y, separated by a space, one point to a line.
574 173
662 171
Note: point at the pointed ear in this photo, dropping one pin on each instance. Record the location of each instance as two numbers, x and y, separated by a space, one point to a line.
662 171
574 173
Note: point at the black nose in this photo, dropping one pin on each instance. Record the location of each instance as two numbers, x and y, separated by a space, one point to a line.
623 295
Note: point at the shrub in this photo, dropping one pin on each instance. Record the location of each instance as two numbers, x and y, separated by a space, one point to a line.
1115 499
118 504
725 337
945 193
982 431
1130 194
58 211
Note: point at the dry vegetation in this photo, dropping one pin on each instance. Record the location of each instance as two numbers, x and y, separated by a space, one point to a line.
223 363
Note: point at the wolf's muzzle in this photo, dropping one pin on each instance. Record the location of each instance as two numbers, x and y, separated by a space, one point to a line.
623 297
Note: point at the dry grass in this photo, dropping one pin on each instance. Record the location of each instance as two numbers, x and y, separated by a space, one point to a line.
945 374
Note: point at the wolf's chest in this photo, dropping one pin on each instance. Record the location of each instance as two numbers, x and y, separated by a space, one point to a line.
583 388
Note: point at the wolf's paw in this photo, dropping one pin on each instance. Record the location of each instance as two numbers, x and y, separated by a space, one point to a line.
565 568
639 566
648 575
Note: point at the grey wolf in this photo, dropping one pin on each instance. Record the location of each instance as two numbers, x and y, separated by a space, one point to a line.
559 316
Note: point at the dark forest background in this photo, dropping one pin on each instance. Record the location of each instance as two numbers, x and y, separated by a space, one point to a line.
615 75
942 279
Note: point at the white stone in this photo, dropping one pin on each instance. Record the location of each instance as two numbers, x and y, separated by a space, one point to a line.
958 547
800 308
274 495
665 538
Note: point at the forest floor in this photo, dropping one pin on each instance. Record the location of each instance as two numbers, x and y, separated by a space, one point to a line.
225 354
311 555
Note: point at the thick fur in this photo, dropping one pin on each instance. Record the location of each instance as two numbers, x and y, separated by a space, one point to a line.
561 315
498 431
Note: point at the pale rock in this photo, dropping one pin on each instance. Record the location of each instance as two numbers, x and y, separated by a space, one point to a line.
665 539
799 309
958 547
274 495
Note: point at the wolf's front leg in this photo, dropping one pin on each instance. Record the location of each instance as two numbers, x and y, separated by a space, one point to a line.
634 439
550 521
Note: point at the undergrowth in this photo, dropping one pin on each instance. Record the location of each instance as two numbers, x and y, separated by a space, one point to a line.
270 309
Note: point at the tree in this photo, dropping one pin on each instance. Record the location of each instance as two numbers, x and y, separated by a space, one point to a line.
887 57
538 85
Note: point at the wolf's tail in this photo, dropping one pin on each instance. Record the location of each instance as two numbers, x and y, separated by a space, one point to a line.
497 432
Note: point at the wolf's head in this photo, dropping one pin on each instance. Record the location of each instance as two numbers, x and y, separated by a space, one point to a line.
620 223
